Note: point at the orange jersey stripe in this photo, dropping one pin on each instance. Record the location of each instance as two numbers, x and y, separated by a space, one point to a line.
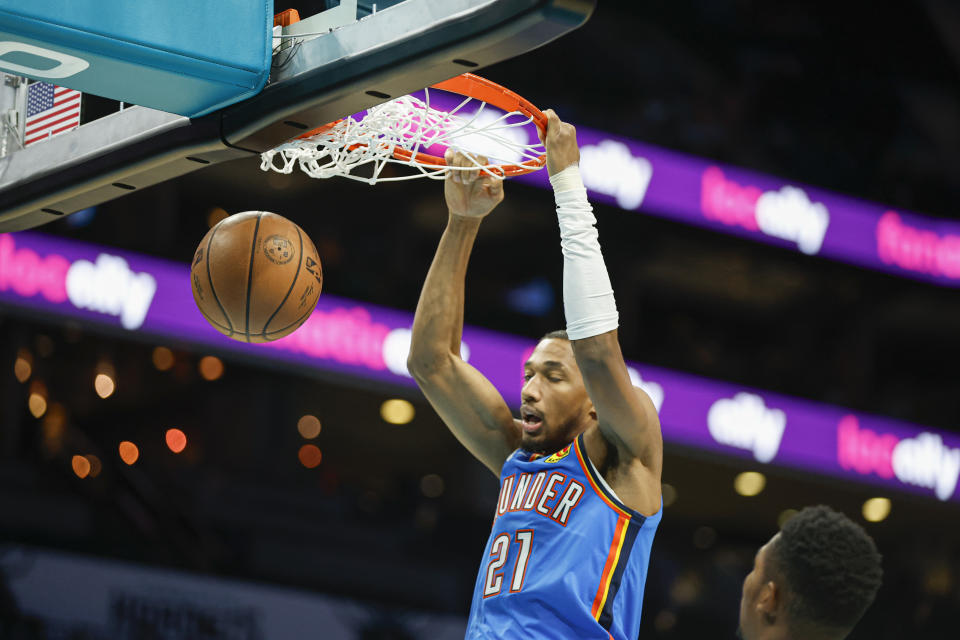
581 456
608 568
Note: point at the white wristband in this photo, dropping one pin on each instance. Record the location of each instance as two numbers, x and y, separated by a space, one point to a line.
588 301
567 180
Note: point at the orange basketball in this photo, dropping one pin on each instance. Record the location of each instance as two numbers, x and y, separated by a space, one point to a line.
256 276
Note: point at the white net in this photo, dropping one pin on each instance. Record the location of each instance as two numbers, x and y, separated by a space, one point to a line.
397 131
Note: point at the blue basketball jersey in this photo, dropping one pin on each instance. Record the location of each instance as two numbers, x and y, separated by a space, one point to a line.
565 559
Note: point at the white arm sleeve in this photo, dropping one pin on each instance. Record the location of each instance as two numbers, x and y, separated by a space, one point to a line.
588 301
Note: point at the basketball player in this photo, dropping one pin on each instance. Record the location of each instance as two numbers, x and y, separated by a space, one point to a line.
812 581
580 468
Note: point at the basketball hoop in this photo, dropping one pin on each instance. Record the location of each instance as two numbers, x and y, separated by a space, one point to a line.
414 132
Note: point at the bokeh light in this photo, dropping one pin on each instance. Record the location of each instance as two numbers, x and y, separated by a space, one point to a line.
876 509
37 401
704 537
215 215
309 426
211 367
104 385
432 485
23 365
397 411
176 440
53 427
686 587
665 621
95 466
163 358
669 494
81 466
310 455
129 452
938 580
749 483
425 518
785 516
44 346
37 405
56 418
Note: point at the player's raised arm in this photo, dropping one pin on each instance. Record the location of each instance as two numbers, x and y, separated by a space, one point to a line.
467 402
626 417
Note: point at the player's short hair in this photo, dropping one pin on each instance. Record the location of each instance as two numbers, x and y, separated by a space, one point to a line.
559 334
830 567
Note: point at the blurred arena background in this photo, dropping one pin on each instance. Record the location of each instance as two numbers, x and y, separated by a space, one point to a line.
375 532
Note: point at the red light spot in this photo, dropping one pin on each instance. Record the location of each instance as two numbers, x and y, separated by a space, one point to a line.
310 456
176 440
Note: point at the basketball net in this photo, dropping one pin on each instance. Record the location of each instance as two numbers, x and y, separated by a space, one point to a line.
408 131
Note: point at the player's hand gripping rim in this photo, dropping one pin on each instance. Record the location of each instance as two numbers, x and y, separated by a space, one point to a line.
470 191
561 143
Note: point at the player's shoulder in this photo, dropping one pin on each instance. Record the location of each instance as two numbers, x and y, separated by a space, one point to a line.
637 485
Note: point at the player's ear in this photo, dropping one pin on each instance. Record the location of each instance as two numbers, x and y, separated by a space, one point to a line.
768 600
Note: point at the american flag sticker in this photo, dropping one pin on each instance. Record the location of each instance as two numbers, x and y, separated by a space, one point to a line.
51 110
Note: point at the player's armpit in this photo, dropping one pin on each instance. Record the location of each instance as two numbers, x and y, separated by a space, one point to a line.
472 409
626 415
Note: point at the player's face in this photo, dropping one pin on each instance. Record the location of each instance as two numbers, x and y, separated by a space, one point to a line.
556 407
753 585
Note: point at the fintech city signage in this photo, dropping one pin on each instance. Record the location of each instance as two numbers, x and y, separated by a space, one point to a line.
641 177
636 176
129 292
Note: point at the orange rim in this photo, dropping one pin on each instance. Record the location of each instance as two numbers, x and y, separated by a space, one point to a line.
473 86
319 130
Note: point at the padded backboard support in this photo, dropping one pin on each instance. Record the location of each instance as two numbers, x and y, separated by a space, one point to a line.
393 52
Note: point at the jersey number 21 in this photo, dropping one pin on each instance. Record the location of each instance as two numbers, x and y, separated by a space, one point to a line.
498 554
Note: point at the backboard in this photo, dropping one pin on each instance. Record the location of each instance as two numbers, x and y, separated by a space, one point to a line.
335 64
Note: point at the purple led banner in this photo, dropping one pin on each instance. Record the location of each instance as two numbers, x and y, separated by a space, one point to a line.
140 293
640 177
106 287
671 185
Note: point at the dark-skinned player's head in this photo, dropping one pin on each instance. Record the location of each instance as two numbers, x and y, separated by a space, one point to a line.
556 407
813 580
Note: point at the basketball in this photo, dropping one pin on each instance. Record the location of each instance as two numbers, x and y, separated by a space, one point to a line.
256 276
